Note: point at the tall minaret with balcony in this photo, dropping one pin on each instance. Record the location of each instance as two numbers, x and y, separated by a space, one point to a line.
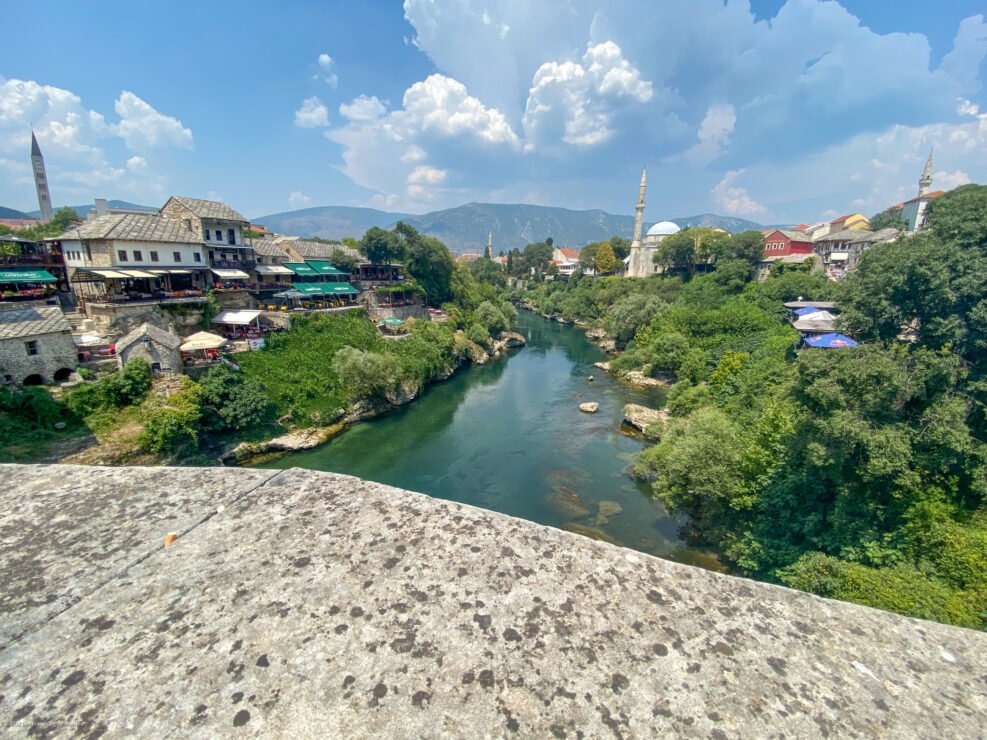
636 266
925 183
40 179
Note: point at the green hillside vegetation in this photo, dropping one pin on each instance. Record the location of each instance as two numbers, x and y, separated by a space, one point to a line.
857 474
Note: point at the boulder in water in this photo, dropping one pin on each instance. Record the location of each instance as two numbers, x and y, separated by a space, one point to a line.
607 509
641 417
590 408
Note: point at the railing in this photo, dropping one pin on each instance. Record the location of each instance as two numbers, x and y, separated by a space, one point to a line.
26 259
233 264
158 296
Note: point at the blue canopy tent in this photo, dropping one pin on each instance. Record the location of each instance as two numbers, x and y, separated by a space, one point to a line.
830 341
807 310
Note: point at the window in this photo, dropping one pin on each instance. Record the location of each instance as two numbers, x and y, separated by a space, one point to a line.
219 235
122 255
154 257
138 256
31 347
197 257
207 234
177 256
231 236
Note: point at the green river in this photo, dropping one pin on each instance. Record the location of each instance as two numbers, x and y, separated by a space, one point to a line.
509 436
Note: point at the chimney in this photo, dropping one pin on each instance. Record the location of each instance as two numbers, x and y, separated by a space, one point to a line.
102 207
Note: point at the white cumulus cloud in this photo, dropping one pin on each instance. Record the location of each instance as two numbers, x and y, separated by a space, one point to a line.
312 114
327 65
142 127
575 101
363 108
735 200
298 199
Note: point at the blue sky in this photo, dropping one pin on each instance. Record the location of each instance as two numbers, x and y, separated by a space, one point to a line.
774 110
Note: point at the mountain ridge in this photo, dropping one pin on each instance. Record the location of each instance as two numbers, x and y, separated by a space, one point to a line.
465 228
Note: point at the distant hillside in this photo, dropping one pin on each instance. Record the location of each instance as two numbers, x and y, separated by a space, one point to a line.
329 222
465 228
711 220
83 210
12 213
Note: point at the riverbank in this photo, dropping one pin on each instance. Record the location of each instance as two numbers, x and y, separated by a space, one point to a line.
246 453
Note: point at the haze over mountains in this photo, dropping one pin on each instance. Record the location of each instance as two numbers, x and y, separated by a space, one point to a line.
463 228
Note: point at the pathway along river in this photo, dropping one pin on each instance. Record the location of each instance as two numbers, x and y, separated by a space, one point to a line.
509 436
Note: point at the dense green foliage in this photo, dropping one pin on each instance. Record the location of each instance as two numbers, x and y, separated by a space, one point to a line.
61 220
889 218
858 474
125 388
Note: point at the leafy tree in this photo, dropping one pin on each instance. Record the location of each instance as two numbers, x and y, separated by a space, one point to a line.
430 264
231 402
889 218
366 375
171 423
959 218
489 272
382 247
587 256
621 247
492 319
748 246
342 260
629 314
537 256
606 262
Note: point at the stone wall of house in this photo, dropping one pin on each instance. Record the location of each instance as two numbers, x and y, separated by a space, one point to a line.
118 319
235 299
56 351
174 209
168 360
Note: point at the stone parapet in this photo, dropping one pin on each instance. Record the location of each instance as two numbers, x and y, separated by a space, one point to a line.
304 604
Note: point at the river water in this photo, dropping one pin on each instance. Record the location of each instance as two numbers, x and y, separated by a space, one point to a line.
509 436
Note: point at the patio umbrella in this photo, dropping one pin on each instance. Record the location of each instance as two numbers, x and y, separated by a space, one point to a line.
391 321
830 341
202 340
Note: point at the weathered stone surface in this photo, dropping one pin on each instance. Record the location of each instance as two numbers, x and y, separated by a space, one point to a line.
512 339
641 417
590 408
66 531
315 604
636 377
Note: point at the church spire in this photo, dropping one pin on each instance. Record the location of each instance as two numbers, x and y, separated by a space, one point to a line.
925 183
40 179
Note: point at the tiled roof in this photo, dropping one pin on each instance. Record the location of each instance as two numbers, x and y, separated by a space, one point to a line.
846 235
138 227
874 237
269 248
209 209
927 196
152 332
318 249
570 253
795 236
27 322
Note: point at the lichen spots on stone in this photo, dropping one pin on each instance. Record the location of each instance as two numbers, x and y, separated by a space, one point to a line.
241 718
262 661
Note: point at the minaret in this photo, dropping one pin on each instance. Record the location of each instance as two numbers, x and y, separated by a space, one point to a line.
635 267
489 253
40 179
925 183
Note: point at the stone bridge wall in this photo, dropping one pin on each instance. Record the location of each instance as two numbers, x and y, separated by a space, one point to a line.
305 604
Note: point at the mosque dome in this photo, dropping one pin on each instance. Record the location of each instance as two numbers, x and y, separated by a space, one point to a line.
664 228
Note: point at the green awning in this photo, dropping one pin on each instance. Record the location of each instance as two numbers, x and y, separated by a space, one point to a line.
325 289
324 267
27 276
301 268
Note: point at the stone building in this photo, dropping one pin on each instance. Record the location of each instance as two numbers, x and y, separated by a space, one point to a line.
153 344
35 345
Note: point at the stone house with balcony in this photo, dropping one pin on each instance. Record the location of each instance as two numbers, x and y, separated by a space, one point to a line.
269 269
365 274
220 230
36 345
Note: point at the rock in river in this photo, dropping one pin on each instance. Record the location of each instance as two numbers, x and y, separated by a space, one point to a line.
590 408
640 417
607 510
